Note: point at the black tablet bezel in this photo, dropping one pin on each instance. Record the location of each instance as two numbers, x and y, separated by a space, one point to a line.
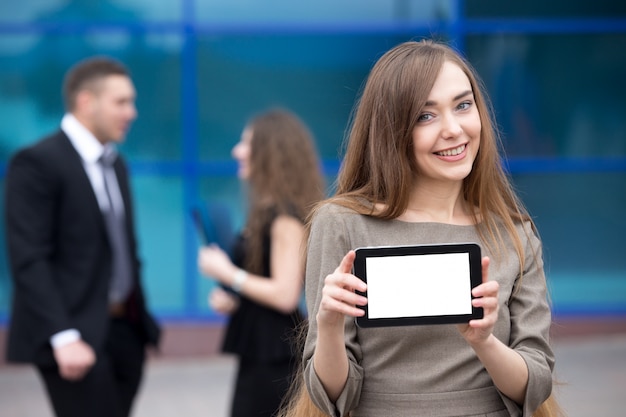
475 278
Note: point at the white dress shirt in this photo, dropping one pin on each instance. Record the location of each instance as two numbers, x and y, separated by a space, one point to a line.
90 151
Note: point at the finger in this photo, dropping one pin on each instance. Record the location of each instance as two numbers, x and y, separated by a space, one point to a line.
347 262
484 262
337 282
344 295
66 373
487 303
82 373
71 373
343 277
337 306
487 289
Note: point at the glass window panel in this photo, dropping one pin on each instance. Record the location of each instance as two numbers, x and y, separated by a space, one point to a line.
32 11
227 191
32 68
316 76
556 95
550 100
321 11
157 74
542 8
159 218
27 10
5 278
580 217
149 10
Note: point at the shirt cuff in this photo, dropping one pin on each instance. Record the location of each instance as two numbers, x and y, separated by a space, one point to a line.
64 337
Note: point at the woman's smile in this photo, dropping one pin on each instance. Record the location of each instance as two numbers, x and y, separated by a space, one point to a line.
452 154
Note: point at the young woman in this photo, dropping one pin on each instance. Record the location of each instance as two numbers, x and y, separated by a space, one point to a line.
278 161
422 166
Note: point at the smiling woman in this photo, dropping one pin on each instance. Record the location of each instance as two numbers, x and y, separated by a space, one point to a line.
422 167
448 128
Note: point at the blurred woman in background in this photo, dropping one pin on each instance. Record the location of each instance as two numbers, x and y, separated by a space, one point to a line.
279 163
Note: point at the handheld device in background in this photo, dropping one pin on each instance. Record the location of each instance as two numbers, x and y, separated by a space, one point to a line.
214 225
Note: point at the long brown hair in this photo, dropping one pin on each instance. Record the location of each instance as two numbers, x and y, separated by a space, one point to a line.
285 175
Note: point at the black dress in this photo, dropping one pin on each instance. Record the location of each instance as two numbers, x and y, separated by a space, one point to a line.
263 339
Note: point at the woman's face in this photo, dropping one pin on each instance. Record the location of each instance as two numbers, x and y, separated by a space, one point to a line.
241 152
446 137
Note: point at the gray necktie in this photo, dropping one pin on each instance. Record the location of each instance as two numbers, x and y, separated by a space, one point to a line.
121 280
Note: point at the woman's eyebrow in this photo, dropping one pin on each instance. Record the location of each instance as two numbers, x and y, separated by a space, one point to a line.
459 96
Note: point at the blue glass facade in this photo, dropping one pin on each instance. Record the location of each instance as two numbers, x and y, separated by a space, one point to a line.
555 70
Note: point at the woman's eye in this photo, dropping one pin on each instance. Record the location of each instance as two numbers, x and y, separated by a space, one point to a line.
424 117
464 106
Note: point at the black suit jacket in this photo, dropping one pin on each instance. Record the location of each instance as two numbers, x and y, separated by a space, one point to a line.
59 252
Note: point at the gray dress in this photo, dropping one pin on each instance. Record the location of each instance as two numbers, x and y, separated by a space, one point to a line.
429 370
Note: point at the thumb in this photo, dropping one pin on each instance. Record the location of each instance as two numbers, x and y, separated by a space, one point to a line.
346 263
485 268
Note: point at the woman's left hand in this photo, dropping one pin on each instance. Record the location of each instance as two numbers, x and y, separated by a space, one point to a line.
223 302
214 262
477 331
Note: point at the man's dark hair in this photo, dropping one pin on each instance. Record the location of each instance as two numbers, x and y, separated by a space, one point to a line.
86 74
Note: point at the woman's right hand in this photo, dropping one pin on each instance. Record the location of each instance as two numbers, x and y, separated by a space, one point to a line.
338 294
214 262
339 299
223 302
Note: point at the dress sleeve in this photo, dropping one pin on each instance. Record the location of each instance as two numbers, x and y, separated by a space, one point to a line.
328 243
530 327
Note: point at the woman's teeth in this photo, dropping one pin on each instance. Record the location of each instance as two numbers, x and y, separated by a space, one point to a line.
452 152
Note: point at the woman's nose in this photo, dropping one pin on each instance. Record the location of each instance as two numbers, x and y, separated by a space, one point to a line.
235 151
451 127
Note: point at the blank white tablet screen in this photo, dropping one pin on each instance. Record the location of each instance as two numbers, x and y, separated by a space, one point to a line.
418 285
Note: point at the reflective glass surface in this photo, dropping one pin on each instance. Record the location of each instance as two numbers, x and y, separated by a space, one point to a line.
81 11
545 9
5 278
160 223
580 217
555 71
31 74
321 12
556 95
316 76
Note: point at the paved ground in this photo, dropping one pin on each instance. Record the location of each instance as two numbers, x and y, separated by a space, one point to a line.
592 370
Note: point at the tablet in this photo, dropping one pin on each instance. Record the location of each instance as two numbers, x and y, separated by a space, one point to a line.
425 284
214 225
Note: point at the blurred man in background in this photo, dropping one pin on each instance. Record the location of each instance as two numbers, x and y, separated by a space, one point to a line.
78 311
